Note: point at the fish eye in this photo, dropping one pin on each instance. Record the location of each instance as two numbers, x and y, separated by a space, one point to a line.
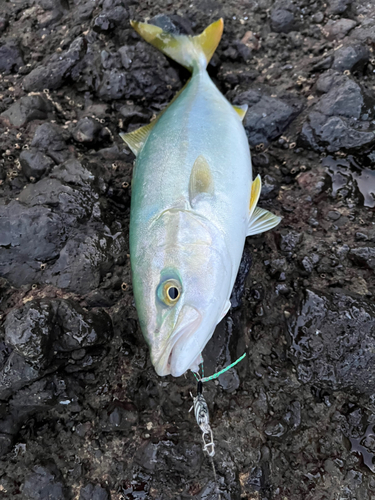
169 292
173 292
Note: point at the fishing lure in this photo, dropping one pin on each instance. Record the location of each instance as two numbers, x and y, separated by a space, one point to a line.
193 204
202 417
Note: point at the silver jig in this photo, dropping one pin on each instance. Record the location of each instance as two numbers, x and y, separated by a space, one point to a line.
203 420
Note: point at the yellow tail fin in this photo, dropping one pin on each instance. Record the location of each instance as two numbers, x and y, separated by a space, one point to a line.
193 52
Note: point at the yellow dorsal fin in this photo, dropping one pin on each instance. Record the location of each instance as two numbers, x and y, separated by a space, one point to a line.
240 110
256 188
136 139
201 180
186 50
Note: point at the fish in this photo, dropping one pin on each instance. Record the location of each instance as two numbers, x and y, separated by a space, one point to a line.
193 203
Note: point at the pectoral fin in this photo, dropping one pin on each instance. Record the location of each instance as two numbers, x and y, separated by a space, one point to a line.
261 220
241 110
201 180
136 139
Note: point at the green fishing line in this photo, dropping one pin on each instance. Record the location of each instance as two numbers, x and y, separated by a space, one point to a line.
217 374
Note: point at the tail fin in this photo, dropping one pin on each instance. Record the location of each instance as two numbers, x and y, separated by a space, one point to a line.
193 52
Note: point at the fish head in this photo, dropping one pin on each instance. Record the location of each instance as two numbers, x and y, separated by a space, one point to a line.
181 285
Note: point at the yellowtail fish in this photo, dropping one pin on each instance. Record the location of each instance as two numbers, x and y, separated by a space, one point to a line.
193 204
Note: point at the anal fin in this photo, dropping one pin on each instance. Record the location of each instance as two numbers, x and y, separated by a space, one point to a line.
261 220
240 109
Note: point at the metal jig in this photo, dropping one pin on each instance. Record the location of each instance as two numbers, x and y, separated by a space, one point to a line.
203 420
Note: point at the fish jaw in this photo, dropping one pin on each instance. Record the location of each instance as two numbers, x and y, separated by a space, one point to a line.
187 324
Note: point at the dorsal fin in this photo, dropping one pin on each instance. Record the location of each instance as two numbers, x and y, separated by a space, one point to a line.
201 180
240 110
136 139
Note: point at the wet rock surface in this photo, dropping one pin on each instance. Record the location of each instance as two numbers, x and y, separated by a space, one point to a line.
82 412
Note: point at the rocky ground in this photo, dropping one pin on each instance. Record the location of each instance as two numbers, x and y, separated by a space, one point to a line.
83 414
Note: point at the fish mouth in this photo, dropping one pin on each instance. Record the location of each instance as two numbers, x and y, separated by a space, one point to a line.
168 363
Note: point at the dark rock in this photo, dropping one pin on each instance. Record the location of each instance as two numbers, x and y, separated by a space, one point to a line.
309 262
229 381
289 240
91 492
28 331
74 173
45 483
325 63
64 198
318 17
173 23
134 114
344 99
327 80
165 23
25 110
3 23
29 236
102 24
277 266
87 130
49 138
43 333
333 215
293 415
82 263
34 163
10 58
353 58
275 429
115 12
332 133
38 396
335 30
110 60
331 339
126 55
166 454
267 117
49 18
53 74
85 10
6 443
120 418
54 4
338 6
113 85
363 256
282 20
15 374
79 328
239 285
